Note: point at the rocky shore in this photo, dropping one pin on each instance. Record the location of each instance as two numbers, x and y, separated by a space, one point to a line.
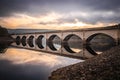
102 67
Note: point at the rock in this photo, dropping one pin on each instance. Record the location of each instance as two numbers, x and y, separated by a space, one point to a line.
105 66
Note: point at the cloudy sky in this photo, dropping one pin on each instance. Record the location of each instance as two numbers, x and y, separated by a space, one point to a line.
58 14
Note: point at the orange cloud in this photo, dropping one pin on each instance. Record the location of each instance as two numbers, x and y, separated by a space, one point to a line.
47 21
21 20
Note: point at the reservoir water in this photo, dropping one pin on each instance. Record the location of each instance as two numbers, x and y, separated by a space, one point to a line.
21 64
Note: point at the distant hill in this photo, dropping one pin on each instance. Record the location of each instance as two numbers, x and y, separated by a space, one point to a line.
17 31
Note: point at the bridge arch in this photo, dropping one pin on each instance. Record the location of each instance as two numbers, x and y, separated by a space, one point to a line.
41 41
17 40
54 42
73 43
30 41
99 42
23 40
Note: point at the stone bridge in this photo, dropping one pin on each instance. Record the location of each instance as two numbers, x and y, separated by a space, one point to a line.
82 43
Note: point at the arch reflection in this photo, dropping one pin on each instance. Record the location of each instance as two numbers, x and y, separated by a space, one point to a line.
18 40
73 43
41 42
100 42
54 42
23 40
30 41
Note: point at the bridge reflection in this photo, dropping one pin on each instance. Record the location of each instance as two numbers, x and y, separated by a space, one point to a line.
72 43
84 43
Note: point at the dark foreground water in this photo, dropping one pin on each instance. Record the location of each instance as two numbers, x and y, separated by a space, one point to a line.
20 64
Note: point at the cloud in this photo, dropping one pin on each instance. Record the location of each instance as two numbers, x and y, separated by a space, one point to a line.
52 14
64 6
8 7
92 17
22 20
53 20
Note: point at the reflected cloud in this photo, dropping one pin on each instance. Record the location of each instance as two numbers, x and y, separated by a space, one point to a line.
32 65
21 56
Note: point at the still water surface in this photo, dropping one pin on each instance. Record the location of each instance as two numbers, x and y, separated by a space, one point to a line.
21 64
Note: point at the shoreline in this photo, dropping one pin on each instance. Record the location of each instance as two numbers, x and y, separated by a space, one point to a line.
101 67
